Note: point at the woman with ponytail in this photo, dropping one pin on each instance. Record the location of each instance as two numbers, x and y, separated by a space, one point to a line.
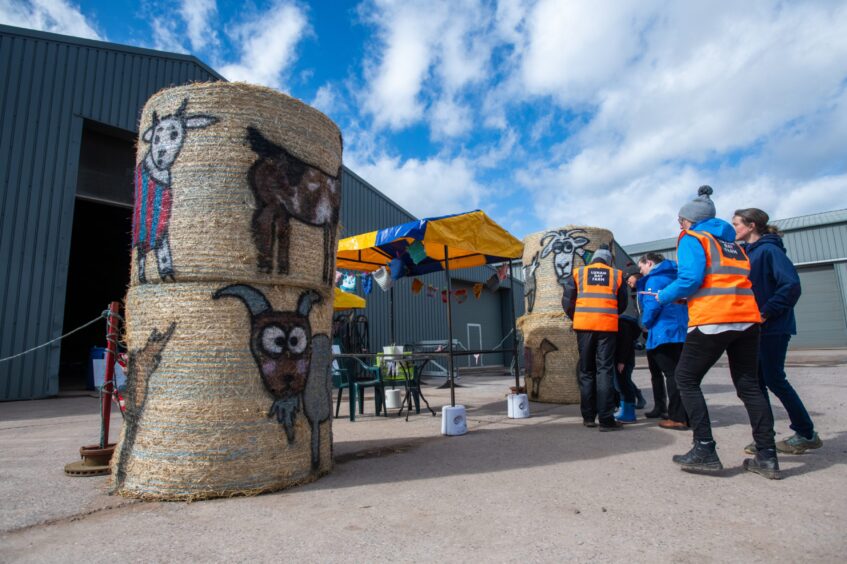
776 286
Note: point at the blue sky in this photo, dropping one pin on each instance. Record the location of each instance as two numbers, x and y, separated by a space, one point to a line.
541 112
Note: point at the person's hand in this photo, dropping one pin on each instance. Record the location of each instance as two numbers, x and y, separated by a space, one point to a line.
620 367
654 294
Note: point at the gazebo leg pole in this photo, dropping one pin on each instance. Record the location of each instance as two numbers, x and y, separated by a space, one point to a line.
391 316
449 326
514 329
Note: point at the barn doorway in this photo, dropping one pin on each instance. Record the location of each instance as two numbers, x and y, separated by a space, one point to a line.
99 260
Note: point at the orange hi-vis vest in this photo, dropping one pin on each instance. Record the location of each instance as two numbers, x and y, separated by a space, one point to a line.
726 295
596 307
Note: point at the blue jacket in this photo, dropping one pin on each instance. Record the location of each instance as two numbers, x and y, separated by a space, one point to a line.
665 323
776 284
692 260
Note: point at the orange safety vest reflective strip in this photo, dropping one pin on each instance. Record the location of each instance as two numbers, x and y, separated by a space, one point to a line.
596 307
726 295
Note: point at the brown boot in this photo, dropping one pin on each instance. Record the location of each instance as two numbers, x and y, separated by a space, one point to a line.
675 425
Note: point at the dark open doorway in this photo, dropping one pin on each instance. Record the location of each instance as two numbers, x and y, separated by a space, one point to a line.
99 261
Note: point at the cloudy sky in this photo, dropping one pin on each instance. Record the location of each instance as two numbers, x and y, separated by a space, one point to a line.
542 113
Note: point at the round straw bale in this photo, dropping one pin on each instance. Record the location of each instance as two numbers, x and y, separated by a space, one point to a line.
235 182
215 404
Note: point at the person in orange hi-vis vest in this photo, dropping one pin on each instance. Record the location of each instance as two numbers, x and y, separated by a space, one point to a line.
722 317
593 298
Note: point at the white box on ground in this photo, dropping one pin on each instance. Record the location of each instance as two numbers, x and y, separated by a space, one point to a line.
453 420
517 406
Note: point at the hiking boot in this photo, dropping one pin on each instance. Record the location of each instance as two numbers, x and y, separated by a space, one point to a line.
750 449
701 458
764 463
614 426
640 402
798 444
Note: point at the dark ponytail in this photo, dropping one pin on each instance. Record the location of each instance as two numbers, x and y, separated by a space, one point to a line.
758 219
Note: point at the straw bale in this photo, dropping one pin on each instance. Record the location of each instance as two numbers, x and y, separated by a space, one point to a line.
198 423
256 172
550 347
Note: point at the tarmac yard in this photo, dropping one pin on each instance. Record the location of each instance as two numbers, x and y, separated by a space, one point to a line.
542 489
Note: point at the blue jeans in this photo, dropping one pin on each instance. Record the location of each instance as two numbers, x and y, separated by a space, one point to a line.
772 349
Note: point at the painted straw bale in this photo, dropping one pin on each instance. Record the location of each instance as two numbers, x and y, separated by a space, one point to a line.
229 390
235 182
550 351
238 191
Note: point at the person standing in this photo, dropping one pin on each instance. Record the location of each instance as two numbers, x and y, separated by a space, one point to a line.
593 298
666 326
628 333
776 286
722 317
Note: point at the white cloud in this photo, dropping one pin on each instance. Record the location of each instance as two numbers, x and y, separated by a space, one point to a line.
56 16
267 44
166 36
423 187
198 16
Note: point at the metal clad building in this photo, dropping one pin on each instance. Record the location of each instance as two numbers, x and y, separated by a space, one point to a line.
817 245
69 110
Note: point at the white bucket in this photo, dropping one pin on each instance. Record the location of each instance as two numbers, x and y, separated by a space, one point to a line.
517 406
453 420
392 398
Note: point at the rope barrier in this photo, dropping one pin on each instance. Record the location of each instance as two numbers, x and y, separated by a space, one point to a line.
104 315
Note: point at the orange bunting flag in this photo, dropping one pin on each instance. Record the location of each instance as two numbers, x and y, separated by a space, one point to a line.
416 286
477 290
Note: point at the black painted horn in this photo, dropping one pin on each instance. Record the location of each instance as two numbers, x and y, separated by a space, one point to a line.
255 300
304 304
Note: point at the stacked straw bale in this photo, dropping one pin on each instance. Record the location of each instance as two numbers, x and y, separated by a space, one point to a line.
224 396
550 349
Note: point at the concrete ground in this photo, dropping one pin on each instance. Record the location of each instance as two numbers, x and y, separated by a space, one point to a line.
538 489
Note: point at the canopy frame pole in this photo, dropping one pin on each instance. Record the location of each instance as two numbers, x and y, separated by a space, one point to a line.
516 366
391 315
449 326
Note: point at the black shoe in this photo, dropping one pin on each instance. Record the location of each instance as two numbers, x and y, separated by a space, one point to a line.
656 413
614 426
701 458
765 464
589 424
640 402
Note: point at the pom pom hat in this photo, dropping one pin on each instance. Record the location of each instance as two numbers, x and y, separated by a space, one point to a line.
700 208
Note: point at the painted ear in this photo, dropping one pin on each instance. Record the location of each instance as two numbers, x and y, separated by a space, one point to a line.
148 134
580 241
307 299
199 121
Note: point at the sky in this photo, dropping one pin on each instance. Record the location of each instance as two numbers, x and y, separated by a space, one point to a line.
543 113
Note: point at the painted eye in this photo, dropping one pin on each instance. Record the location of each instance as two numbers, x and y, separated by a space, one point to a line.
273 340
156 139
568 247
297 340
174 134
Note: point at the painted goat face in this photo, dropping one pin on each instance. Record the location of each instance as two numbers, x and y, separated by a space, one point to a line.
281 344
166 135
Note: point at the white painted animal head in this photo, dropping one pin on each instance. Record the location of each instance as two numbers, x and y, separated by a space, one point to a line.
563 245
166 135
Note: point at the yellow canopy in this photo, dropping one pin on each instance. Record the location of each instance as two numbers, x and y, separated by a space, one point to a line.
469 239
345 300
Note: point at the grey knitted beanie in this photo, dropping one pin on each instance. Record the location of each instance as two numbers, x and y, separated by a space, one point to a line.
602 253
700 208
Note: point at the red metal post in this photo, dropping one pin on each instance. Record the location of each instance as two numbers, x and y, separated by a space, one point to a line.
109 379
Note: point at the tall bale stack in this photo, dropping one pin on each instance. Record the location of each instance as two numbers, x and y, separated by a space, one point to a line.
550 350
229 310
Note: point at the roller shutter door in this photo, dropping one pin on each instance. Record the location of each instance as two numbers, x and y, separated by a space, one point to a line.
820 311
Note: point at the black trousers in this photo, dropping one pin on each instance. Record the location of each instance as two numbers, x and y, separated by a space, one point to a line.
666 357
657 382
699 354
596 370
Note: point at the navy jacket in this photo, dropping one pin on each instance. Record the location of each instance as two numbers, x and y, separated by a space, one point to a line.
666 323
776 284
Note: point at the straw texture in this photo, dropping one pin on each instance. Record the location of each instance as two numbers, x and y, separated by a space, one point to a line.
198 422
228 169
549 341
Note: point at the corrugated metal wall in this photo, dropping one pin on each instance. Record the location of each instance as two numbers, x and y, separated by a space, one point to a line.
50 84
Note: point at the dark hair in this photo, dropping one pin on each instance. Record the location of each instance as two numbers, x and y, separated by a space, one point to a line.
758 219
655 258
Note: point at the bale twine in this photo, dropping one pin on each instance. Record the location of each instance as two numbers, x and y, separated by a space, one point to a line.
550 350
197 423
249 174
229 311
